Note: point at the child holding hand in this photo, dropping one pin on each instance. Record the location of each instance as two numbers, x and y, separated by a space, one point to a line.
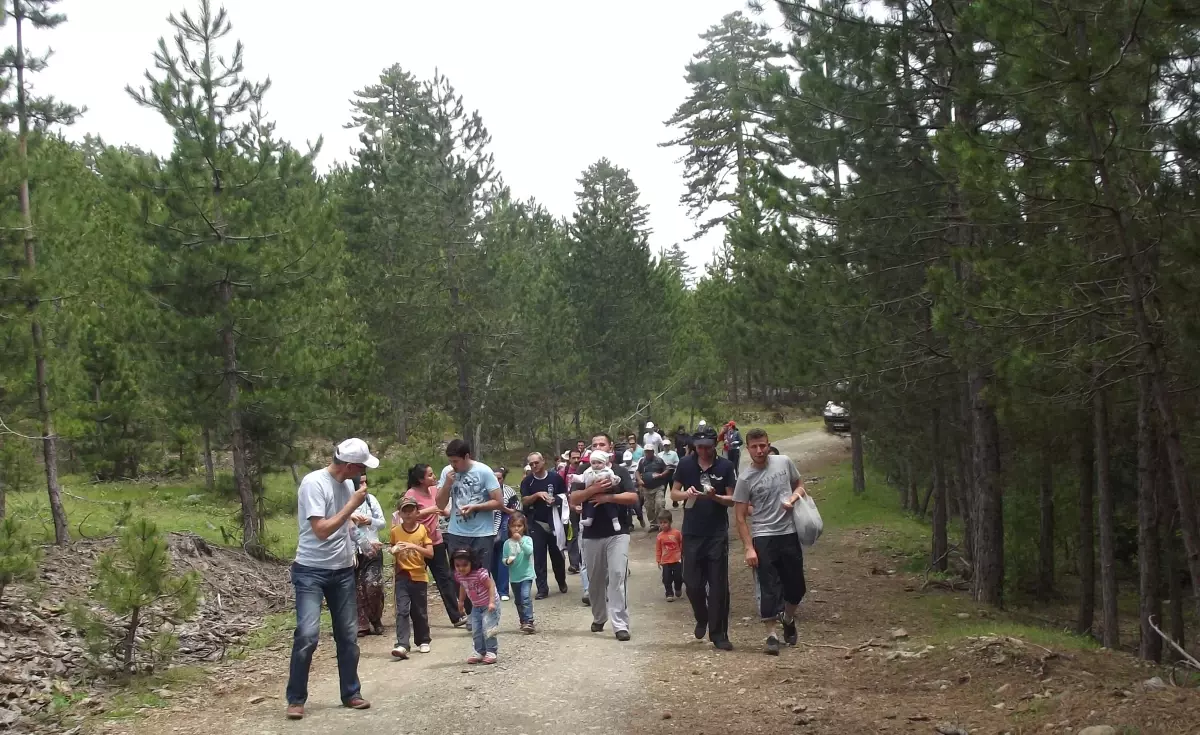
475 582
411 547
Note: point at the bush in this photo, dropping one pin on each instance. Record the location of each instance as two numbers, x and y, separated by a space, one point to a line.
134 583
18 466
19 555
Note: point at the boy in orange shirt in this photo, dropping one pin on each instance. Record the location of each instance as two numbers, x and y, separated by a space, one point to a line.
668 552
411 546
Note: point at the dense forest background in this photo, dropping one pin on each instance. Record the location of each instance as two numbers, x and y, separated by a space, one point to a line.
975 223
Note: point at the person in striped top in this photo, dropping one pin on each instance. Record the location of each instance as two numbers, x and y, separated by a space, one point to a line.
477 585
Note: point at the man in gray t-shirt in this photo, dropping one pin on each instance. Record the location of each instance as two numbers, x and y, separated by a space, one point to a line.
327 505
763 500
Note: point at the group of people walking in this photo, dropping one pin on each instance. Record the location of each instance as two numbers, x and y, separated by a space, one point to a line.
485 543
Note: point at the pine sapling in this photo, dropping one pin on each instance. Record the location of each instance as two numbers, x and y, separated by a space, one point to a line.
18 554
135 584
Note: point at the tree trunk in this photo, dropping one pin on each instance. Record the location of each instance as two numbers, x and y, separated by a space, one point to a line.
295 475
1110 635
577 419
1149 589
237 437
49 440
988 582
210 475
914 494
966 481
1087 532
1167 515
941 545
130 643
1045 582
856 456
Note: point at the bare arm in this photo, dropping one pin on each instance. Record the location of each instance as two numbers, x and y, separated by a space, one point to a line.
579 497
426 549
741 510
491 594
443 493
323 528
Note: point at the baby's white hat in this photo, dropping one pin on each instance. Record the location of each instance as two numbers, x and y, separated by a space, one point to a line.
597 454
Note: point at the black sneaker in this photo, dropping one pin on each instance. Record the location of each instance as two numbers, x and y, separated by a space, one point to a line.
622 635
541 595
772 647
597 627
701 629
722 644
587 601
563 588
572 570
789 632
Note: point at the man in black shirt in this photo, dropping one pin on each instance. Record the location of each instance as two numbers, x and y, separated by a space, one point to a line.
606 549
542 494
704 483
651 476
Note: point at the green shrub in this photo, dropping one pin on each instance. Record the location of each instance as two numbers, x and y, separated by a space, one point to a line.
19 554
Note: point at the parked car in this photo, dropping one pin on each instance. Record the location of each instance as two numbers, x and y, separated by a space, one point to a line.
837 418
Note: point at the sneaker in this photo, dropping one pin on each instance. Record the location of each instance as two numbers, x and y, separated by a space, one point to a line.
772 647
423 648
563 588
489 658
670 598
295 712
572 570
460 623
504 598
701 629
400 652
587 601
789 632
597 627
622 635
357 703
474 658
722 644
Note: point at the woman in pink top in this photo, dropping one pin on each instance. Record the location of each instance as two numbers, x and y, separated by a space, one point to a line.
422 487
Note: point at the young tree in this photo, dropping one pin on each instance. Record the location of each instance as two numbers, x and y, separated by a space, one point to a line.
18 554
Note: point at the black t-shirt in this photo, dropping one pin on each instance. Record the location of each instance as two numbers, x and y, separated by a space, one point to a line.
706 517
600 527
648 467
540 510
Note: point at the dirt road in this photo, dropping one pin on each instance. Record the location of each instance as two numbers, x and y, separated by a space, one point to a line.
566 679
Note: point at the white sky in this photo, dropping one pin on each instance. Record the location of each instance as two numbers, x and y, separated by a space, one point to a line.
559 83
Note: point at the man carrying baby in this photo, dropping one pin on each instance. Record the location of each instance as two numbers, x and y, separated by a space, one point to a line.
606 544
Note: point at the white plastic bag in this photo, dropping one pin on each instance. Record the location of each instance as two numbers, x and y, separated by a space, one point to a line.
807 520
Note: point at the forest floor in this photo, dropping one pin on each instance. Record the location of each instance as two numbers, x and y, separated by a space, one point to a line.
881 652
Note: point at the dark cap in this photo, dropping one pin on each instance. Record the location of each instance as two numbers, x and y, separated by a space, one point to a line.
705 437
408 500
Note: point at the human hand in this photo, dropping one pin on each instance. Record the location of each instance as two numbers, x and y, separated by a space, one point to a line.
466 510
602 485
491 607
751 558
693 493
360 520
359 496
451 476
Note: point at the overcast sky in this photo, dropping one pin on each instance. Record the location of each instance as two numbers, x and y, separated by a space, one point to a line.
560 83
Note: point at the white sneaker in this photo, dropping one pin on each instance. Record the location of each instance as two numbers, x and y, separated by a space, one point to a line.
505 598
400 652
423 648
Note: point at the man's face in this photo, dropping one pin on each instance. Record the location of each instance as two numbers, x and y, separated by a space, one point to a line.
602 443
351 471
580 446
706 453
574 457
759 448
632 440
460 464
536 463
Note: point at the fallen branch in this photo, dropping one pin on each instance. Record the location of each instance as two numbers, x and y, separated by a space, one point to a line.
823 645
1187 656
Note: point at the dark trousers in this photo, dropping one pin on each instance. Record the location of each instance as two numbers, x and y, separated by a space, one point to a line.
780 573
440 566
336 588
735 456
574 554
706 573
481 550
544 543
412 604
672 578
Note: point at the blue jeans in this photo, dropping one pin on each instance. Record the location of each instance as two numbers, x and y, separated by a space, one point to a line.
522 594
336 587
481 620
499 568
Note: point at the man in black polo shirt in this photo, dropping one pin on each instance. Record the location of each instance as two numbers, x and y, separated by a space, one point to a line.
704 484
542 494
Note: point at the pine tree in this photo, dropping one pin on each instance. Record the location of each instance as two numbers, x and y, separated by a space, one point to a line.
19 554
35 115
134 582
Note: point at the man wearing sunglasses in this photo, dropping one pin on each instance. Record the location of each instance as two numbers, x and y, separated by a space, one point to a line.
324 570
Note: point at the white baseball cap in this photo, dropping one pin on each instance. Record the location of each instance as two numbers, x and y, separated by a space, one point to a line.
650 447
649 424
355 451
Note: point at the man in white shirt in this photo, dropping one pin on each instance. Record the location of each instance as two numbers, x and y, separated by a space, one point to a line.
652 436
324 570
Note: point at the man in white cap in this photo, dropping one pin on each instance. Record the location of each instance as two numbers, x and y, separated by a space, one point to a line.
324 570
652 436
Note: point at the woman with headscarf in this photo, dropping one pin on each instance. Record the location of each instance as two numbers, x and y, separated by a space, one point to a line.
368 574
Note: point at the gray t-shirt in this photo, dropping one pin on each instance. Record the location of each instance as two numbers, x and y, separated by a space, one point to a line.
322 496
765 490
